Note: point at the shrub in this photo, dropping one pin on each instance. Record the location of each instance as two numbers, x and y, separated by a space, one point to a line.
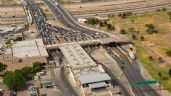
168 52
123 31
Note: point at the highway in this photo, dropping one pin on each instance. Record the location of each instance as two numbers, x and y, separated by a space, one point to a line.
61 15
132 72
138 7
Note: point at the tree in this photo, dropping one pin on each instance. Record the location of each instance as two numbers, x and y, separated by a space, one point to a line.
37 67
134 37
123 31
14 80
150 28
164 9
123 16
160 59
151 58
26 70
110 27
170 72
168 52
18 39
93 21
101 24
2 66
142 38
160 74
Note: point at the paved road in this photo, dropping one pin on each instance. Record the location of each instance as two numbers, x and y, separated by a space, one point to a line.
133 74
62 16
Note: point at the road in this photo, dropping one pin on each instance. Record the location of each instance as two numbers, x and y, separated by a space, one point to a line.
133 73
62 16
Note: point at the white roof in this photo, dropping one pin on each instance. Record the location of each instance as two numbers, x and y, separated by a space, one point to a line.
29 48
97 85
82 65
93 78
76 56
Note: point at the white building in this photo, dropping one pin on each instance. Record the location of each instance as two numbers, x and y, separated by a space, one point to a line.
85 73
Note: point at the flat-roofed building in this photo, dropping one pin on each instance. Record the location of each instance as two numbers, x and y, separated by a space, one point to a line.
24 53
85 72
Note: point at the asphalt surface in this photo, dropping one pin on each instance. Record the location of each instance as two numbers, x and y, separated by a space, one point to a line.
133 74
62 15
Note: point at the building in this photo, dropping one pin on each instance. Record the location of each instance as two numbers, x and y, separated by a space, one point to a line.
84 72
24 53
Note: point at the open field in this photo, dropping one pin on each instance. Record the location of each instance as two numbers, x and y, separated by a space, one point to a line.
6 2
154 45
93 7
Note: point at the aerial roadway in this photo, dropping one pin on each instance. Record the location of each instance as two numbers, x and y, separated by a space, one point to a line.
65 18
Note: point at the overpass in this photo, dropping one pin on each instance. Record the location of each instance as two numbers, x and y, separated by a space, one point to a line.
100 41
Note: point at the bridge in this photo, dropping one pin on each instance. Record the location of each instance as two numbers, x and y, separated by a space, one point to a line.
100 41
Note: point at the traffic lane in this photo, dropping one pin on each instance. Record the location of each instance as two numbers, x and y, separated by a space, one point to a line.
77 25
129 75
133 74
67 20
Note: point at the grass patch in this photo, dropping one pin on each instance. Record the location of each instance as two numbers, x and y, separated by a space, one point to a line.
153 69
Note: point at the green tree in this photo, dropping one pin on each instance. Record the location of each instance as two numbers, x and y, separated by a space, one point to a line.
134 37
164 9
142 38
168 52
123 16
37 67
170 72
123 31
110 27
151 28
2 66
160 74
93 21
14 80
25 71
19 39
101 24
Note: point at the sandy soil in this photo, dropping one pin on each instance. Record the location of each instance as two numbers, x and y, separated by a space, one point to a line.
79 8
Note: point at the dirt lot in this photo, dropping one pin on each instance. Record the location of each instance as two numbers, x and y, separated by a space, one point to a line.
9 12
79 8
